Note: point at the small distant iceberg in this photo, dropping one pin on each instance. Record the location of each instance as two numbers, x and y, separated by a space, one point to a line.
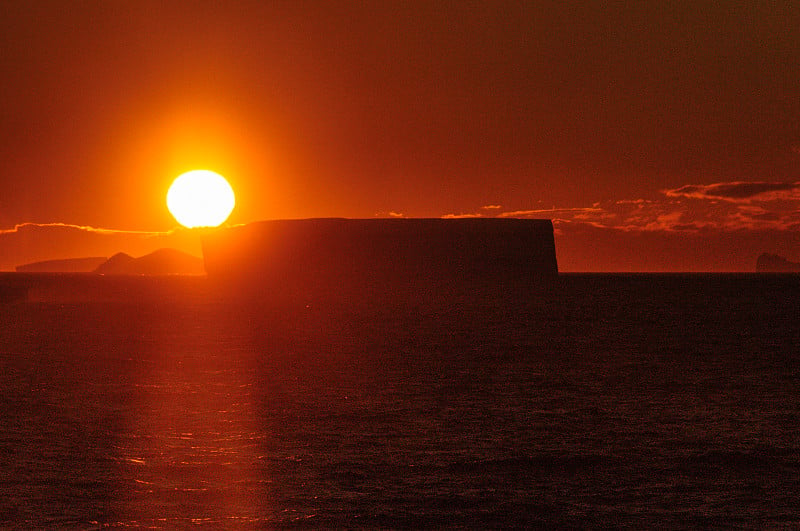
773 263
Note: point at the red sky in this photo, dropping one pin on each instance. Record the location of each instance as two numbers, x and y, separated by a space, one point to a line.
661 136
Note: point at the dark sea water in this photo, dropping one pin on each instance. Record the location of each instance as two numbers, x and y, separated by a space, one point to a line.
597 401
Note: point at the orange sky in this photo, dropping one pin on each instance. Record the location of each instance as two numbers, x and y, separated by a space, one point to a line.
637 128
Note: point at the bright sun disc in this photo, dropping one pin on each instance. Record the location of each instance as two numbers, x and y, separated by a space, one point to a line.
200 198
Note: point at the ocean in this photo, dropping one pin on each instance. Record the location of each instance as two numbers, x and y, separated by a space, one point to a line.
591 401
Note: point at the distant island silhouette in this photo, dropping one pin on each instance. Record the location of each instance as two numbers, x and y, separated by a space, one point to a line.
773 263
163 273
67 265
160 262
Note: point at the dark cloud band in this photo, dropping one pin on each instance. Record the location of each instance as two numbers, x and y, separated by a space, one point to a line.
735 191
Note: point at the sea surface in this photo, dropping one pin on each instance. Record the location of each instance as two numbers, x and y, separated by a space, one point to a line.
592 401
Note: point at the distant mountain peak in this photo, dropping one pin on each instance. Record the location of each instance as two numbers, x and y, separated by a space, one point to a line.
121 256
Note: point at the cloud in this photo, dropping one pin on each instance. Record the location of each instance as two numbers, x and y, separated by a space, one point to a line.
720 207
461 216
538 212
738 191
33 226
632 202
728 207
691 227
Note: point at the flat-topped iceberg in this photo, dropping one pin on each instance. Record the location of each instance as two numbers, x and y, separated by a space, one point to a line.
333 254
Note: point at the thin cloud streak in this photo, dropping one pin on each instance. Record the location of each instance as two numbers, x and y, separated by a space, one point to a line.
461 216
738 191
525 213
86 228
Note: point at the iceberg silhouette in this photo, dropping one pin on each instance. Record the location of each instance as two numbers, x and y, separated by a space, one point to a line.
335 255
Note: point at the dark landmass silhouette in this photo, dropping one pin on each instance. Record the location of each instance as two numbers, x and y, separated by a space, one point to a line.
773 263
395 255
310 259
160 262
67 265
165 274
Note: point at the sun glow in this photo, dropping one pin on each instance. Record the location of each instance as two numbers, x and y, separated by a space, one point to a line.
200 198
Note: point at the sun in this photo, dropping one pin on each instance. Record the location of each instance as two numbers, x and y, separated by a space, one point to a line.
200 198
